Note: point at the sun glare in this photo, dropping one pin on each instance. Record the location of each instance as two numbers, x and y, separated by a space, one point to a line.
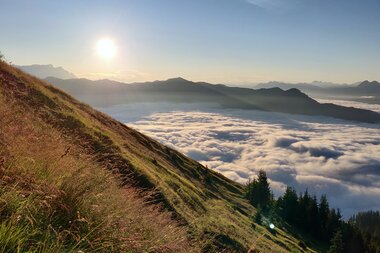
106 48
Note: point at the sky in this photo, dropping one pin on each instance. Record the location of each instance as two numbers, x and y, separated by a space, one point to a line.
218 41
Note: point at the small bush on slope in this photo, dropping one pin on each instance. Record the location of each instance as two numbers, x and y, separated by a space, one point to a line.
53 199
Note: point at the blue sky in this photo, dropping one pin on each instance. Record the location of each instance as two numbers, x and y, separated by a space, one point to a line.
221 41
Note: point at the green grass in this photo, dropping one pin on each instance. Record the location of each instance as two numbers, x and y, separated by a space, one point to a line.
212 207
52 200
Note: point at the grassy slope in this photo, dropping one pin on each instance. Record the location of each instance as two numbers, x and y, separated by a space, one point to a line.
55 198
210 204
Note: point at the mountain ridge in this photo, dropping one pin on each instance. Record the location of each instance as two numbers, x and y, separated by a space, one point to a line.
46 70
364 88
293 101
374 85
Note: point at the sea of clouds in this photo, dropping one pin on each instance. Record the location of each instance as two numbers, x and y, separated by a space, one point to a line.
324 155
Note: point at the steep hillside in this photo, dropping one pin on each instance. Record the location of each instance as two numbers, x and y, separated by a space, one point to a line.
56 197
47 134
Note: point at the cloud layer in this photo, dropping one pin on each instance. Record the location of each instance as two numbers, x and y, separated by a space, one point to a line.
339 158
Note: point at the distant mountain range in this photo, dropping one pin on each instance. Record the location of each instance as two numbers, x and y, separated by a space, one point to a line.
107 93
365 88
313 86
44 71
315 89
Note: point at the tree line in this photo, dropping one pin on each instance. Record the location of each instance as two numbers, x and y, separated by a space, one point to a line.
312 216
369 224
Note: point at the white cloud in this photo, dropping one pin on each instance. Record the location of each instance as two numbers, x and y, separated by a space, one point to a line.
339 158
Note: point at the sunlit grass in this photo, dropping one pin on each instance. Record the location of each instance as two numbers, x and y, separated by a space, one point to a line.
55 199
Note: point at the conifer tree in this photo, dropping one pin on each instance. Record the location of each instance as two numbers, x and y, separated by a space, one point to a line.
258 191
288 205
337 243
323 212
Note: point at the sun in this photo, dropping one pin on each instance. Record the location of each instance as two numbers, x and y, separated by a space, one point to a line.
106 48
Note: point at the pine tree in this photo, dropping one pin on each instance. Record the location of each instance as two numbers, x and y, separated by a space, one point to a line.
367 225
333 222
352 239
258 191
304 200
265 195
337 243
312 216
323 212
288 205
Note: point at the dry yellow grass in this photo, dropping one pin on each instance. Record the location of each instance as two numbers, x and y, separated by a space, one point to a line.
53 198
